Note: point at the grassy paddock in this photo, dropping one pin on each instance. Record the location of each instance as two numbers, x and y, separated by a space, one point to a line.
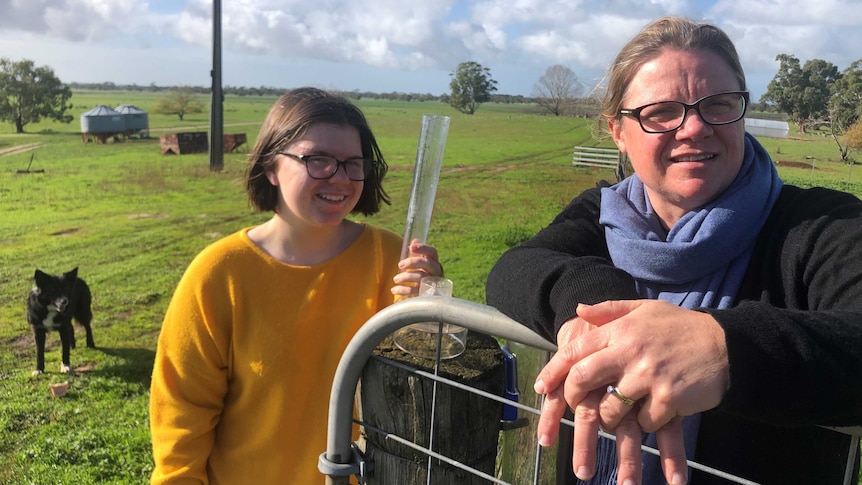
132 219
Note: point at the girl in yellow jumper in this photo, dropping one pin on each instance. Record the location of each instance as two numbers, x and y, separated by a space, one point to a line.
257 324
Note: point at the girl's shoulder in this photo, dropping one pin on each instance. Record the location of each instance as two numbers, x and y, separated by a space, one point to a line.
226 250
384 239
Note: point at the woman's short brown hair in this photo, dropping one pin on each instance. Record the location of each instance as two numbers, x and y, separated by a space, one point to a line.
666 33
288 119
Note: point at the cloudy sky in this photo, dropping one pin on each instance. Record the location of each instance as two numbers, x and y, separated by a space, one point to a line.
396 45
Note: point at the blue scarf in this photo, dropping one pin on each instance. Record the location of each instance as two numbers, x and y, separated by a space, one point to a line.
698 263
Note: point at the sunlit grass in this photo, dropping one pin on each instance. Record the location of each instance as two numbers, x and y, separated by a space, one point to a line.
131 219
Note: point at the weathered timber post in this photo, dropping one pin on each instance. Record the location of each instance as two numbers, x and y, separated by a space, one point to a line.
521 459
466 427
339 462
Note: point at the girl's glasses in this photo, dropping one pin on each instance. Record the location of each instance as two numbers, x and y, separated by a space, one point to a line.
322 167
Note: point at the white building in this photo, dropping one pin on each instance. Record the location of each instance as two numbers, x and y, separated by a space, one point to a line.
767 128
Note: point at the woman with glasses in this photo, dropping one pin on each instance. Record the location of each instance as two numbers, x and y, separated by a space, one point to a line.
701 300
258 322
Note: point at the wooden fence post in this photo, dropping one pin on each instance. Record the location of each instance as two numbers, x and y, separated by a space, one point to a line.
519 451
466 425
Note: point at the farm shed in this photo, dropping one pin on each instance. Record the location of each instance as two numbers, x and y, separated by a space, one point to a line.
234 141
101 123
182 143
767 128
136 120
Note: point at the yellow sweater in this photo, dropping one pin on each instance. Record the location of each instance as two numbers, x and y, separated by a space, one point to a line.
246 356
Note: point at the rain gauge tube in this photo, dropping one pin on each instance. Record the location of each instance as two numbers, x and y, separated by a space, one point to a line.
426 173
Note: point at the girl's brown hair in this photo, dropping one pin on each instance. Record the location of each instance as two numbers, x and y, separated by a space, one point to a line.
288 119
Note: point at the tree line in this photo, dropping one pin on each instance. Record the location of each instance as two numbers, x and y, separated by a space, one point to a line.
812 95
276 91
817 95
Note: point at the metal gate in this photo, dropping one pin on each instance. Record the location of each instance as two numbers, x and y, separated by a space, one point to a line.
342 459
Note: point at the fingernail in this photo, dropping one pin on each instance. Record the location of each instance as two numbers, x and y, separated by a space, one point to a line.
678 479
544 441
584 473
629 481
583 305
539 386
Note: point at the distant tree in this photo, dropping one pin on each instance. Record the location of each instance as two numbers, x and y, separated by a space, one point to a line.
802 92
471 86
820 76
29 93
845 105
178 102
852 140
846 102
558 89
853 136
784 91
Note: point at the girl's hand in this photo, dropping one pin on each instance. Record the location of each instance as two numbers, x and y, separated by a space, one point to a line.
422 261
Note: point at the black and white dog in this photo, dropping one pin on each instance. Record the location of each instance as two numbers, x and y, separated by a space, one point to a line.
52 304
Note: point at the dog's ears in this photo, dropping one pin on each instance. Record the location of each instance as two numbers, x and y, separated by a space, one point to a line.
40 277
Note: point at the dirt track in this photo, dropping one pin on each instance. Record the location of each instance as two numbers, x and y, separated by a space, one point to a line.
19 149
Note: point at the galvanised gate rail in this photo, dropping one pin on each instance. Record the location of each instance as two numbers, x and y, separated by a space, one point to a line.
342 458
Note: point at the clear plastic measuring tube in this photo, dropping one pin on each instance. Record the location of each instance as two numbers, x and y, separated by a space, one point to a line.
426 174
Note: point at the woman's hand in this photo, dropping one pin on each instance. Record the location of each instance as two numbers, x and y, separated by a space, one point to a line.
422 261
672 360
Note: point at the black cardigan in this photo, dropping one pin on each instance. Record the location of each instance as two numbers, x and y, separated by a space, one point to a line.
794 338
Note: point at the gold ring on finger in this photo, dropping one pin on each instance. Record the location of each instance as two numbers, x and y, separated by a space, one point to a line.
616 392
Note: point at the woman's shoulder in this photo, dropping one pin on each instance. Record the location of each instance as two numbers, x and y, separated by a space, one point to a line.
799 202
585 204
803 215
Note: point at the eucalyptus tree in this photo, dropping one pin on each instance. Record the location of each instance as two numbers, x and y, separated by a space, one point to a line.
471 86
845 110
29 93
802 92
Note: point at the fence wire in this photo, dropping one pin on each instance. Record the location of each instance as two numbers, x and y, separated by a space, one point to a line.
342 458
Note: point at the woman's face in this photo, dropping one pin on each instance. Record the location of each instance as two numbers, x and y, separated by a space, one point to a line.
689 167
305 202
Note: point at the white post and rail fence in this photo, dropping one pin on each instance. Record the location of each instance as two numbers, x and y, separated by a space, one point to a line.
602 158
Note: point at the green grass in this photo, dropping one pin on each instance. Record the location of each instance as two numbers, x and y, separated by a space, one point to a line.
132 219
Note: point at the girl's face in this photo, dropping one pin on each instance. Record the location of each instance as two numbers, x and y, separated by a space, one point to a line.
310 203
689 167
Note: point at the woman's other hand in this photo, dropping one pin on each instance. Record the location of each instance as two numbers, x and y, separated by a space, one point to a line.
671 361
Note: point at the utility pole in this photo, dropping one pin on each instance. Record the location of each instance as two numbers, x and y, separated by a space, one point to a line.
216 105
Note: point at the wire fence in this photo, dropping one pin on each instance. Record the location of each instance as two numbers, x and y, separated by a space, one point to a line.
520 460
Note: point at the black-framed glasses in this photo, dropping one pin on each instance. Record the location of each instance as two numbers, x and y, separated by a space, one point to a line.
322 167
715 109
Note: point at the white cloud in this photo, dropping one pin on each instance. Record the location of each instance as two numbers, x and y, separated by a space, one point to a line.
825 29
391 34
413 46
77 20
825 13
